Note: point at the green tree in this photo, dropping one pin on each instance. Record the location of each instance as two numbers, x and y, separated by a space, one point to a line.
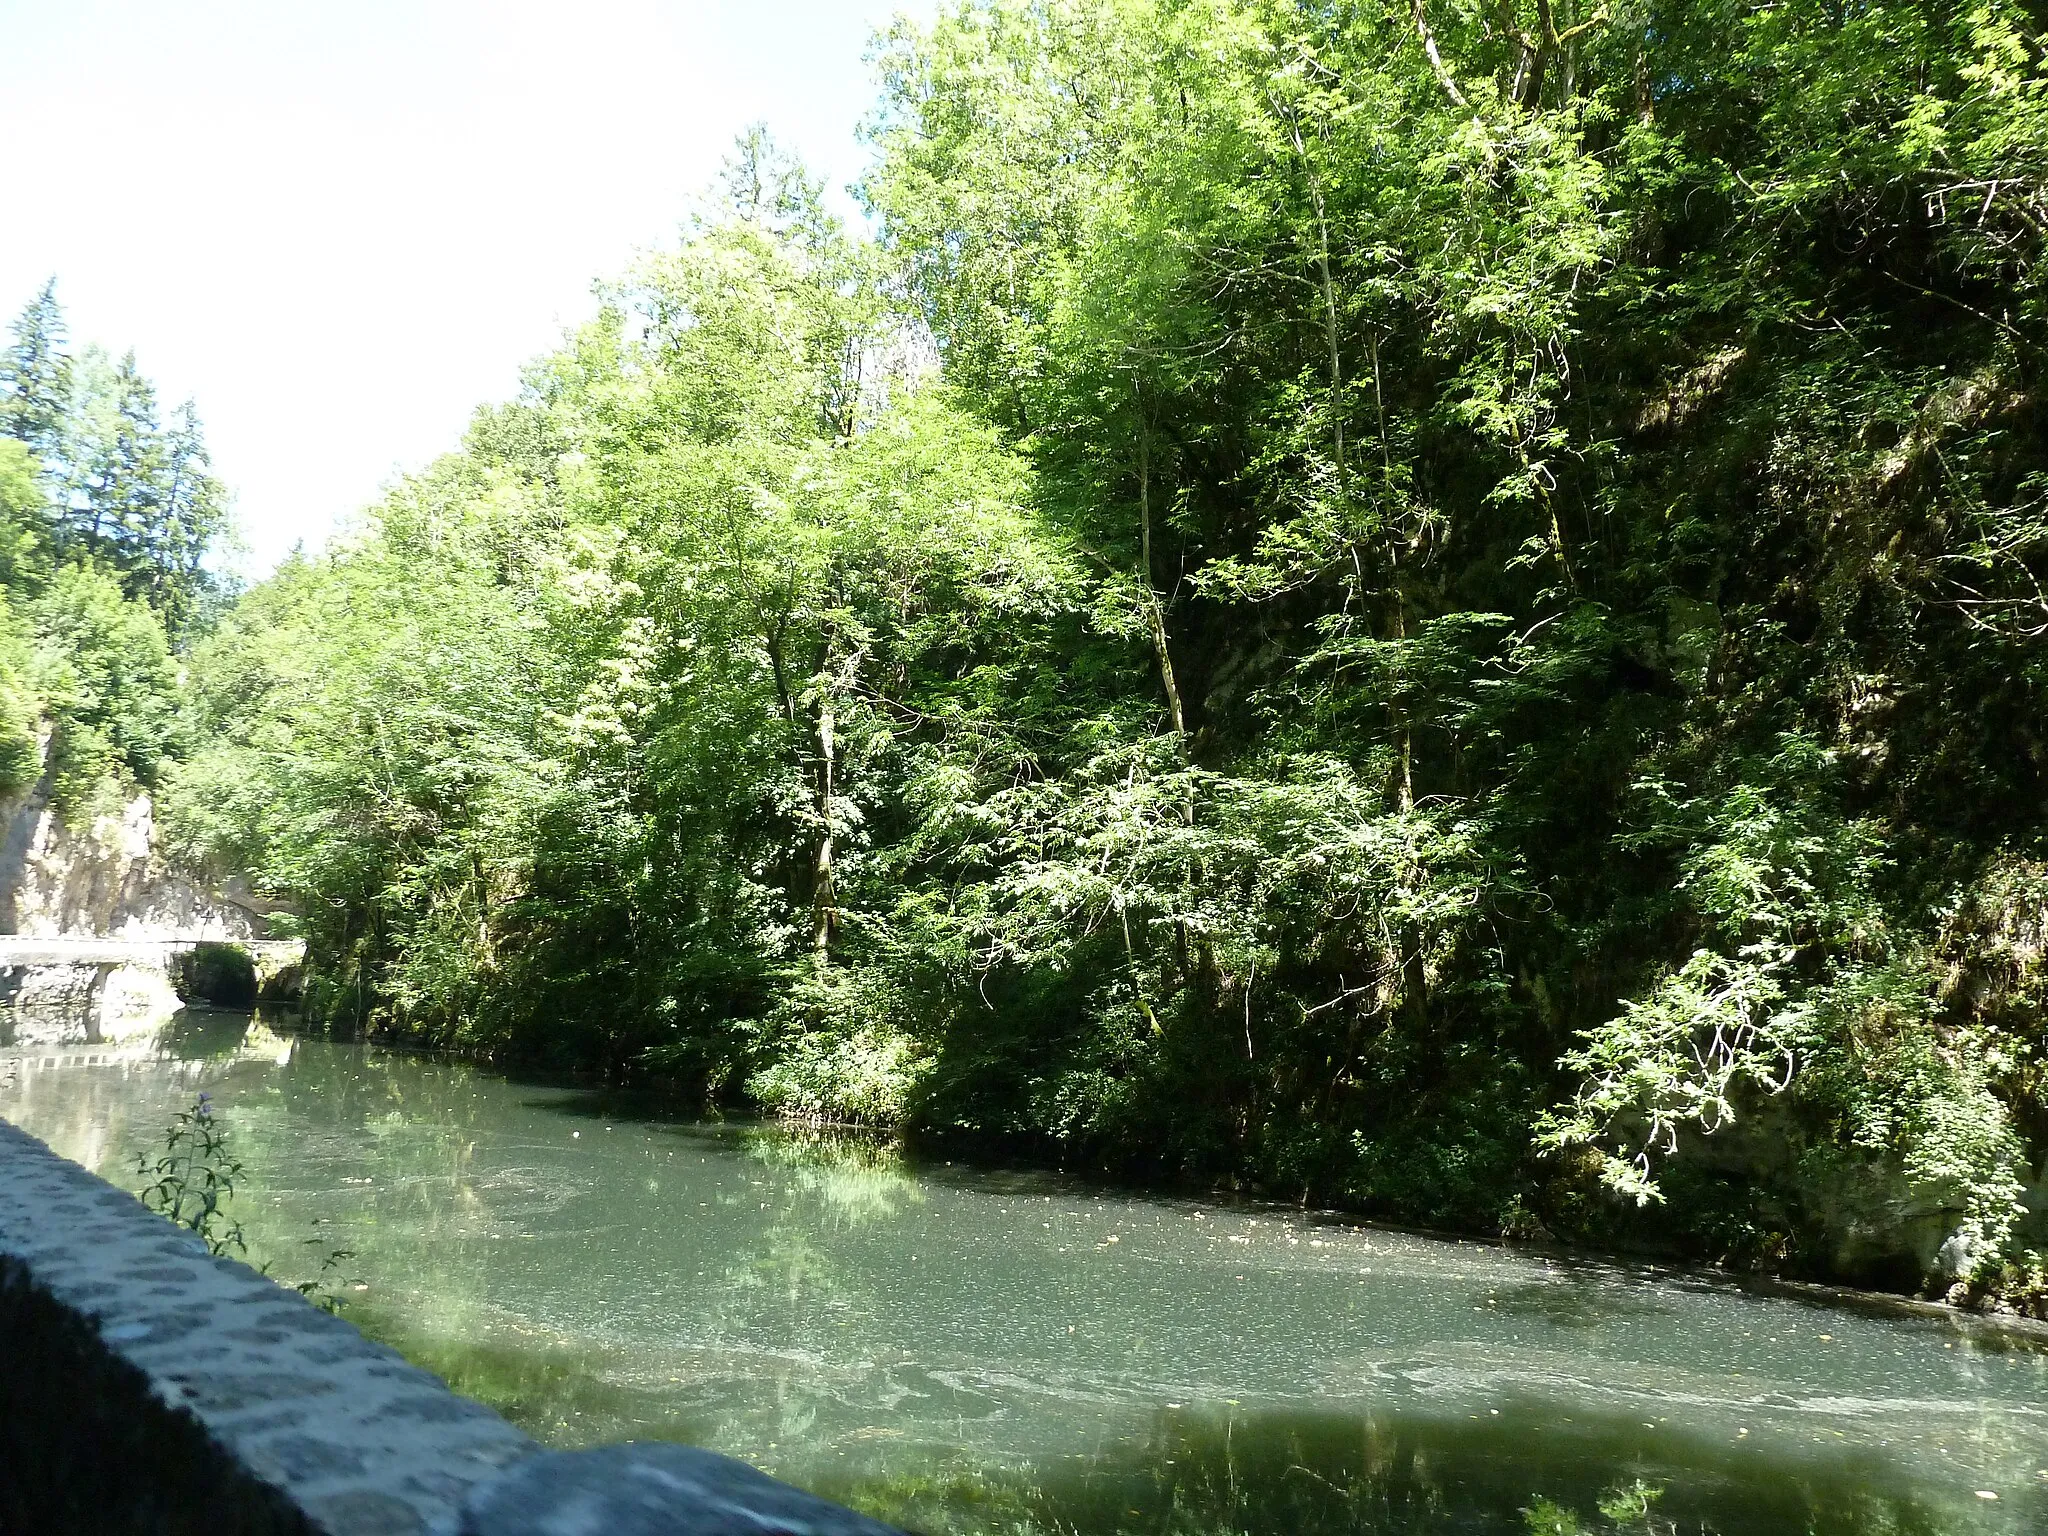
36 374
104 672
26 547
1437 608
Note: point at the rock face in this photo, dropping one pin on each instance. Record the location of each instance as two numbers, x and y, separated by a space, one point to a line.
106 880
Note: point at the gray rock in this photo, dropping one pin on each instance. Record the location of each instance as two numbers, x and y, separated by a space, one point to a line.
649 1488
1958 1256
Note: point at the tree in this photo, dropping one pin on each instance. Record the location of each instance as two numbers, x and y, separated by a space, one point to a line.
1420 607
26 547
121 488
105 675
36 375
118 461
191 516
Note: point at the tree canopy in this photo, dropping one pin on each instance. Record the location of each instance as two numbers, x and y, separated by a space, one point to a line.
1435 607
106 518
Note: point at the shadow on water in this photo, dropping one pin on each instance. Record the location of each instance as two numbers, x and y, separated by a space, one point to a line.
578 1097
1286 1472
562 1396
1574 1303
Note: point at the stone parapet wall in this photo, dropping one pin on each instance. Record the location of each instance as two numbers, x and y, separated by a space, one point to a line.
146 1386
291 1400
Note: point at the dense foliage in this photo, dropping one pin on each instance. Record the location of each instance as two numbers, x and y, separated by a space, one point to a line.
106 515
1431 606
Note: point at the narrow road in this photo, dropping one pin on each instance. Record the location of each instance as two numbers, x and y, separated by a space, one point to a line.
21 949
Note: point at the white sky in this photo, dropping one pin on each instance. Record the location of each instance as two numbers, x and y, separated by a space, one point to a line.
339 225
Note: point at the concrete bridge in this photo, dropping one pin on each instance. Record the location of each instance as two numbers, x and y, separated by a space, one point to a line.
88 989
269 956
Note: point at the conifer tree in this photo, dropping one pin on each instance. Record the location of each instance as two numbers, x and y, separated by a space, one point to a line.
35 375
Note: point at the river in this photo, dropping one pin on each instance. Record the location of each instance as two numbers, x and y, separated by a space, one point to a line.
1005 1354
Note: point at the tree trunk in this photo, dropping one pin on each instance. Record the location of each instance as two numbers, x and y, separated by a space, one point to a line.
1401 784
1155 612
1527 85
824 896
485 947
1196 962
1435 56
1327 288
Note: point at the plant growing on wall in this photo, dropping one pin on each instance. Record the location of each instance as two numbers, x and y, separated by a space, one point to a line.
194 1176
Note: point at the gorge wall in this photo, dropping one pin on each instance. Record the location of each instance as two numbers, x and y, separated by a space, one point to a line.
106 879
159 937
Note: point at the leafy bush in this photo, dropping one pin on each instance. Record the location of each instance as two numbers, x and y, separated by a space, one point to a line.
1458 630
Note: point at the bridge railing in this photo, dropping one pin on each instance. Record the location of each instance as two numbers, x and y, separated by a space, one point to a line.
85 949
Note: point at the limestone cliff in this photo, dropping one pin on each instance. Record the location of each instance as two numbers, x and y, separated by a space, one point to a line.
106 879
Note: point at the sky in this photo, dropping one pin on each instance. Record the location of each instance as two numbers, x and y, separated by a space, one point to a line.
338 227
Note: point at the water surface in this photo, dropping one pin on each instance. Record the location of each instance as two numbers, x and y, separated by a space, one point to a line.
983 1352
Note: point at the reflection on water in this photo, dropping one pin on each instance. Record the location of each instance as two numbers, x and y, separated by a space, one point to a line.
1000 1353
1279 1471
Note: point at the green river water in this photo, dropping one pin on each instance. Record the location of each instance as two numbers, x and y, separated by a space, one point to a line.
961 1350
